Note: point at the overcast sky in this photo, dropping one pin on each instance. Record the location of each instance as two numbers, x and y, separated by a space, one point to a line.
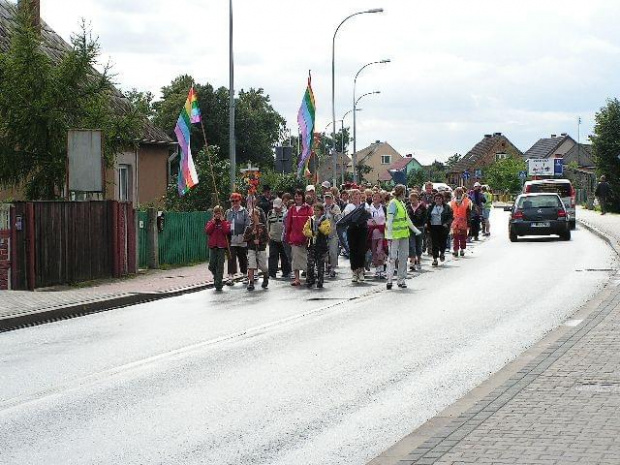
459 70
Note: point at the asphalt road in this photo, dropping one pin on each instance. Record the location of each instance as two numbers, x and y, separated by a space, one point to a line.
286 375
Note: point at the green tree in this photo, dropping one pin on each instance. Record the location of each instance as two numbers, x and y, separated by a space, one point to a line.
42 99
606 148
503 175
436 172
142 102
453 160
416 178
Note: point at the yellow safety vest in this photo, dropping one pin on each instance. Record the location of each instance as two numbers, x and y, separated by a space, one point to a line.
400 225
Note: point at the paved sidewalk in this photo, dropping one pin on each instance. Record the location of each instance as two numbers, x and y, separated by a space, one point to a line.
562 407
26 307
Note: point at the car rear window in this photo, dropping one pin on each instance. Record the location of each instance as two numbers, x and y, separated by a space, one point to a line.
539 201
562 189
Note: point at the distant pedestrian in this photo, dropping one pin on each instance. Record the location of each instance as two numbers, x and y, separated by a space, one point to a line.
257 238
376 232
438 221
239 220
217 229
333 214
397 233
316 230
461 209
478 200
277 253
486 211
354 222
265 201
296 218
417 213
602 193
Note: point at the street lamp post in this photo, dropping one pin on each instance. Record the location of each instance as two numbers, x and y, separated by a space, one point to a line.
354 158
232 153
374 10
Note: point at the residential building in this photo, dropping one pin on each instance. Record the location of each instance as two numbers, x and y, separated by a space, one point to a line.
378 156
138 175
408 164
492 148
551 147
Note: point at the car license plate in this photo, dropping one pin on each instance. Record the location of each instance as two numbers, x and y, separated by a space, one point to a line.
540 225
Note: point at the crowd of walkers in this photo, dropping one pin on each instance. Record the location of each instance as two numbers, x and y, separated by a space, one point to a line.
302 234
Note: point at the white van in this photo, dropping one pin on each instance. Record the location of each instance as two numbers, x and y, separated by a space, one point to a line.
563 187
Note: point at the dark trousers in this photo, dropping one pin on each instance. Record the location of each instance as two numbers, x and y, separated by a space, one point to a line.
439 237
278 254
475 226
602 201
315 269
217 257
241 254
357 239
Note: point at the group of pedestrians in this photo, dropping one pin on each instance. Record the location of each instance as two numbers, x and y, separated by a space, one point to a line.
302 234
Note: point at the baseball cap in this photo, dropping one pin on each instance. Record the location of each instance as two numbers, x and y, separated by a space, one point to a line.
277 202
310 187
326 184
477 184
328 194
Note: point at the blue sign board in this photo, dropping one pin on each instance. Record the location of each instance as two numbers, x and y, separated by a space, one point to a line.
465 175
558 167
522 174
478 173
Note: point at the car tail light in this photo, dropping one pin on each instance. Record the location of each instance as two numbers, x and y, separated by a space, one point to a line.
528 188
518 215
561 214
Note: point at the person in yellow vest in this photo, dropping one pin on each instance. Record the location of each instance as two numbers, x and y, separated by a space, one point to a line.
397 233
461 209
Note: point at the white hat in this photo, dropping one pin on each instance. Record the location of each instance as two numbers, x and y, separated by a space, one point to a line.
310 187
477 184
326 184
277 202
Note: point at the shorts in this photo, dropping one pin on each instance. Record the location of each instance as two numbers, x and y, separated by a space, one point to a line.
300 257
257 260
486 213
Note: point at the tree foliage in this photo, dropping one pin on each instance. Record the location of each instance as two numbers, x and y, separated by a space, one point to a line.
606 148
41 100
503 175
453 160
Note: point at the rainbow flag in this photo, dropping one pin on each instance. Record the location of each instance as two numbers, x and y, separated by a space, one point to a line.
305 120
188 177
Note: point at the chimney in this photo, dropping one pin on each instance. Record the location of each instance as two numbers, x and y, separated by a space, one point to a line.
33 7
488 136
552 136
497 134
564 134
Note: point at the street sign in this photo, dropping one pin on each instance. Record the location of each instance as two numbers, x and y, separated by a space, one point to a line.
522 174
540 166
478 173
558 166
465 175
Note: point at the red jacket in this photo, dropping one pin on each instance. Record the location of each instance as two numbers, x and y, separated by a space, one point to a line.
295 222
218 233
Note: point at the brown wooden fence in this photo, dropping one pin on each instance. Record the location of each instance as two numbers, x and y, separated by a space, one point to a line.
66 242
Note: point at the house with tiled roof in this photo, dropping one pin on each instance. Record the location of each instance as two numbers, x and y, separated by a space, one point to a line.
581 154
492 148
378 156
550 147
407 164
138 175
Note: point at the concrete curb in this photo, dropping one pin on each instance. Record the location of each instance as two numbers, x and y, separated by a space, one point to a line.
50 314
610 240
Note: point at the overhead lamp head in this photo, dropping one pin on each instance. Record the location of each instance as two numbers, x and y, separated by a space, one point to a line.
375 10
387 60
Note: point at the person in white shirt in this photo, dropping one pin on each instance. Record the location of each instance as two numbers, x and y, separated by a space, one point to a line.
376 230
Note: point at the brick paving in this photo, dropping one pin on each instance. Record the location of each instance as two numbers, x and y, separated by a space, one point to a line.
561 408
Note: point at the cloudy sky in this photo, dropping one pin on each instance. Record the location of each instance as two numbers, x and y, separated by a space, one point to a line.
459 70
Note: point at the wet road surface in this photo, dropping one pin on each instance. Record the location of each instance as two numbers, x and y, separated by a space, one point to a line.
286 375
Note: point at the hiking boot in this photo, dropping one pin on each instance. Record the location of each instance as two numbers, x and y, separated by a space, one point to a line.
462 253
251 286
435 262
388 286
332 274
402 285
265 282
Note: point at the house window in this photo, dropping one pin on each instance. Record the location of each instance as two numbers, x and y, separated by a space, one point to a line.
386 159
500 156
124 183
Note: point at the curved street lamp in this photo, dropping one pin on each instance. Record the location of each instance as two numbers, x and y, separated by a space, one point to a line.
373 10
354 103
354 157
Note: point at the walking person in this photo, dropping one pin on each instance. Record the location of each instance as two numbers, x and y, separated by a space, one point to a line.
478 200
277 253
296 218
461 209
486 211
354 222
438 222
239 220
602 193
217 229
397 233
257 238
417 214
317 229
333 214
376 233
